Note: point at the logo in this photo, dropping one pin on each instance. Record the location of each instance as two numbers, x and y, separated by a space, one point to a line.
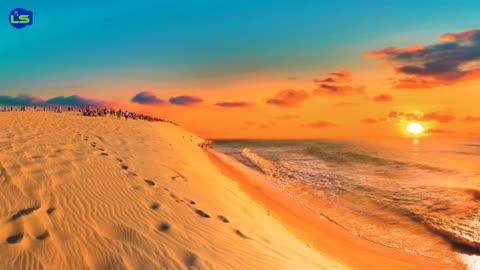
20 18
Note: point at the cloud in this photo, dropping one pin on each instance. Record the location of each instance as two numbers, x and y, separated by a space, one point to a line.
452 60
259 124
342 74
337 77
185 100
437 117
344 104
373 120
288 117
383 98
288 98
393 114
147 98
234 104
75 100
331 85
423 117
319 124
471 119
337 90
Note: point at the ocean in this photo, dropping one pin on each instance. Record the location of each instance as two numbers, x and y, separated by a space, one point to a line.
422 196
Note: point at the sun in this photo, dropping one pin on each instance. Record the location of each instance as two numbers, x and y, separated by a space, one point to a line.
415 128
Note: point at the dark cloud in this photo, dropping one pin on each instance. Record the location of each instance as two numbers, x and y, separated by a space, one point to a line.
383 98
185 100
75 100
320 124
288 98
147 98
337 77
452 60
234 104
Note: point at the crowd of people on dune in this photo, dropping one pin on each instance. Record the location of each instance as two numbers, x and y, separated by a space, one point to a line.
94 112
87 110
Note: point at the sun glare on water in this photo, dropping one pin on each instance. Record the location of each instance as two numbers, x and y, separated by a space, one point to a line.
415 128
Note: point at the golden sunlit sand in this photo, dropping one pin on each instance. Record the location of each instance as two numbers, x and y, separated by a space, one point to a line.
103 193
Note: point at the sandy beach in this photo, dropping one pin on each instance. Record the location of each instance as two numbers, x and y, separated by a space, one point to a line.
104 193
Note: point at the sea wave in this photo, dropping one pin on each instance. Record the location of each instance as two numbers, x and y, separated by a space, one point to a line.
339 155
459 231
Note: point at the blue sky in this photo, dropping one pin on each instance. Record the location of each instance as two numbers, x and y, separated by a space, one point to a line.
74 41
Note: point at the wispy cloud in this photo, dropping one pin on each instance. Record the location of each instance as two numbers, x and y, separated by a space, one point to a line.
471 119
319 124
383 98
288 98
234 104
335 85
288 117
423 117
373 120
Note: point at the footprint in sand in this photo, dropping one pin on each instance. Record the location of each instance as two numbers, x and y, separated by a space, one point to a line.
22 217
24 212
201 213
43 236
190 260
14 239
239 233
154 206
125 167
223 219
51 210
164 227
149 182
104 154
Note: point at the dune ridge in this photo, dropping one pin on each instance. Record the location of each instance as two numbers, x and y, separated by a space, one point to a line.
106 193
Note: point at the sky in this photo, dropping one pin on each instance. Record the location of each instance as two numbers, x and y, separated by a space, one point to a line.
254 69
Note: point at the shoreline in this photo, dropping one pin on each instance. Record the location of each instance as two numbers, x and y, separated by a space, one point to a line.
326 237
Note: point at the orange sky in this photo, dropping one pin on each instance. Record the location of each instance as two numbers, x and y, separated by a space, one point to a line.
362 115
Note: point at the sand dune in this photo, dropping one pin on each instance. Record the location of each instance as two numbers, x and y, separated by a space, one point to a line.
103 193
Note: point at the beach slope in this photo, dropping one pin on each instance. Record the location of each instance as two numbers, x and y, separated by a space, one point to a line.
104 193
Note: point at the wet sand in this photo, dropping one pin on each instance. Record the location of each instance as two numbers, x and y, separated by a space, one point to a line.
327 238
